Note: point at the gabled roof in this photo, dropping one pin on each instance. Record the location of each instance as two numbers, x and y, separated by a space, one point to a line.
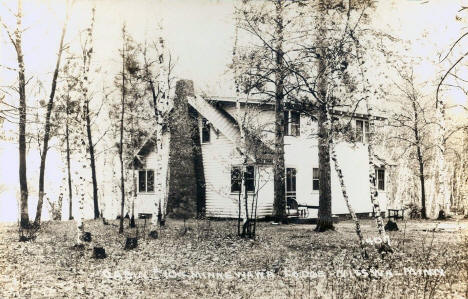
224 123
227 125
356 112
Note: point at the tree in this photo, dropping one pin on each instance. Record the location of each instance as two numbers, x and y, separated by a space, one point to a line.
68 106
121 127
129 113
81 128
262 70
452 79
157 74
327 72
16 41
414 130
47 124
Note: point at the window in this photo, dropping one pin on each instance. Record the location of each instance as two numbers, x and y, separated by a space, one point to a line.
236 178
366 130
380 175
146 181
290 179
291 187
315 179
362 131
292 123
205 131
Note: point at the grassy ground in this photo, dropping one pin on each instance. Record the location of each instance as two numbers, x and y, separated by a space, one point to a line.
209 260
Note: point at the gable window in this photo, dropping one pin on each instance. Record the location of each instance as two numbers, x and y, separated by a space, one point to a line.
315 179
292 123
362 131
380 176
146 181
205 131
236 178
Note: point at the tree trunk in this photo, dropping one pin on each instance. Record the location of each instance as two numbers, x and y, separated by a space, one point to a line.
92 162
443 194
279 203
345 194
372 181
122 114
420 161
325 221
422 181
70 192
24 218
50 105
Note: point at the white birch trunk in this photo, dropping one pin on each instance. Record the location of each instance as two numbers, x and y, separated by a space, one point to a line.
442 198
343 186
164 107
372 179
240 119
82 156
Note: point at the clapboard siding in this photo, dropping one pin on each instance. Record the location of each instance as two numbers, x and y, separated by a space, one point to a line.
301 153
149 202
218 157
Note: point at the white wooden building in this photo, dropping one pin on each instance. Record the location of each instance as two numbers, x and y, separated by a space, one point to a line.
221 149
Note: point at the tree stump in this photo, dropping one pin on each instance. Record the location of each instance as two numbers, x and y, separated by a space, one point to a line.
391 226
153 234
131 243
86 237
442 215
99 253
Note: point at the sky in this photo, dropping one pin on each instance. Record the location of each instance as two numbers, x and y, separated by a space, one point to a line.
199 34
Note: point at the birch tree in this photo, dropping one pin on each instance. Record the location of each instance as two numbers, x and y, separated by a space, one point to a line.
157 73
83 90
47 124
67 110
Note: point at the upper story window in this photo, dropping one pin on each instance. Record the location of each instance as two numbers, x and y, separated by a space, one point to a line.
292 123
205 131
362 131
236 178
146 180
315 179
380 176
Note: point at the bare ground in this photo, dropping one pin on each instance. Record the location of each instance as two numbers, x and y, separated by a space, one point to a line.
207 259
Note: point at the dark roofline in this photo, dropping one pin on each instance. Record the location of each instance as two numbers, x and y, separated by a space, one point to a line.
258 101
